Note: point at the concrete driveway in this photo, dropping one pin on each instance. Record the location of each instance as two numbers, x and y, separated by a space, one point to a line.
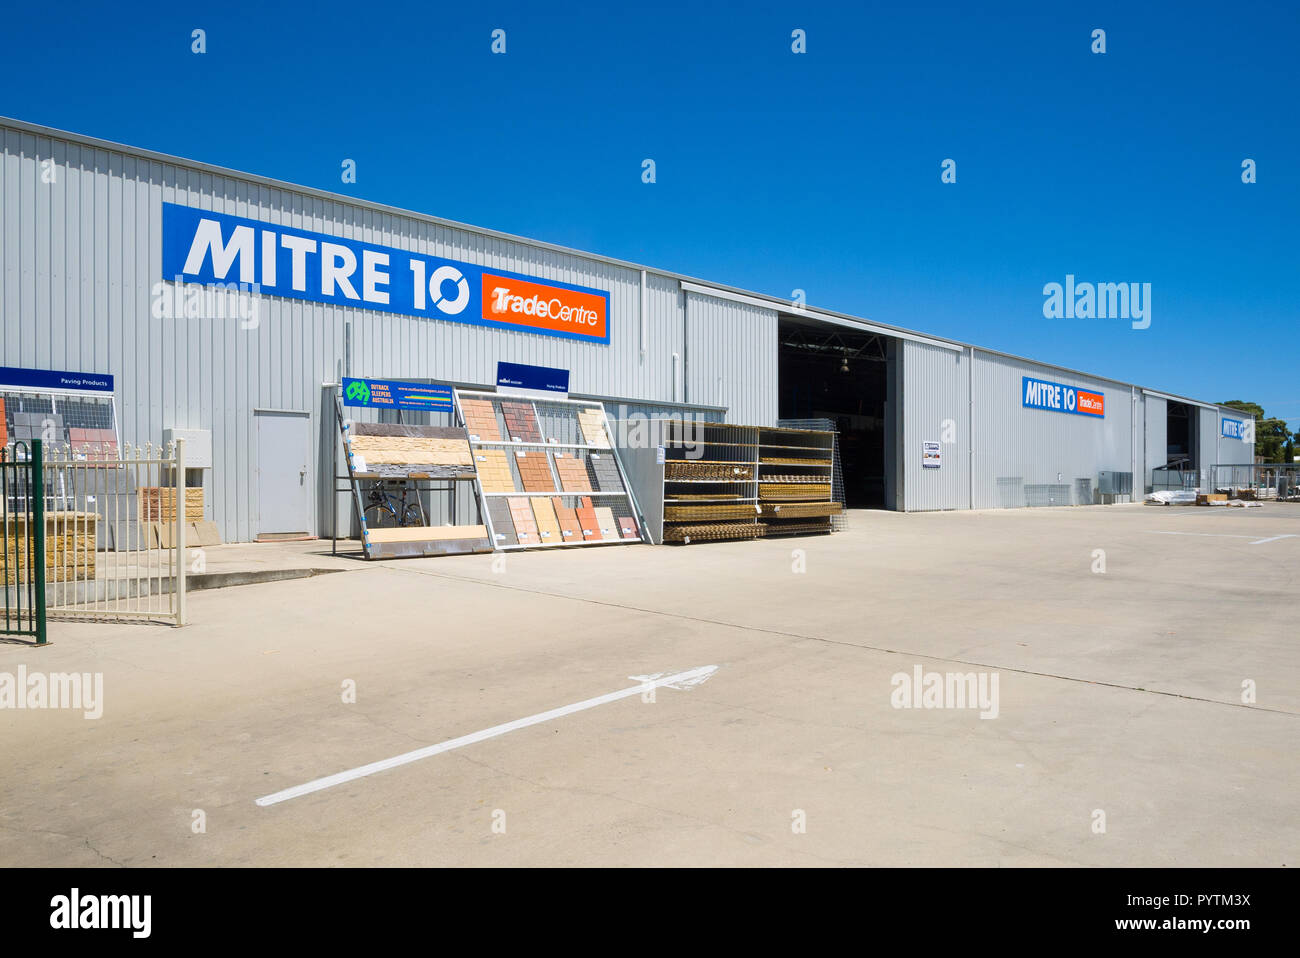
1121 736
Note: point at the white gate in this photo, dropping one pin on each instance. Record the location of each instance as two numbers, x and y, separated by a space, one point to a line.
115 530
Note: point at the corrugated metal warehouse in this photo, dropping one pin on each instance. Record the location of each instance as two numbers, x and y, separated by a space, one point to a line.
925 423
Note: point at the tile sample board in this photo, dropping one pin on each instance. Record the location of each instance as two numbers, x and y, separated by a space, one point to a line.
481 420
521 421
494 470
603 472
534 470
593 427
570 530
548 525
502 524
521 513
605 519
588 521
573 473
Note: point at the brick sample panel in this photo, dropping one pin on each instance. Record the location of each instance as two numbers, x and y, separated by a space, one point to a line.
603 473
605 519
627 526
521 513
503 526
480 419
588 521
521 421
570 529
534 470
548 525
573 473
494 470
592 422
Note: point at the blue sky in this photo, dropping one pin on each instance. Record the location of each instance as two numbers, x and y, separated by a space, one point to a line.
775 171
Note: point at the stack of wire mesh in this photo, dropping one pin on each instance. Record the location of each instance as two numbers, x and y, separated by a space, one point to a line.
839 522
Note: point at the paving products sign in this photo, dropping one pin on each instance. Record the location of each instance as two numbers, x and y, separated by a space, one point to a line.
931 457
1058 397
1243 429
54 380
520 379
387 394
215 249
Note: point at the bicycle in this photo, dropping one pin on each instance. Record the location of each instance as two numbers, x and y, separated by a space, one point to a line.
387 511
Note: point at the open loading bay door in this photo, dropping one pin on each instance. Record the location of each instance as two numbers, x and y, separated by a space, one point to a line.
849 377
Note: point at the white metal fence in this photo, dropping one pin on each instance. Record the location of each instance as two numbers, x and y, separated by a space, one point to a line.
115 530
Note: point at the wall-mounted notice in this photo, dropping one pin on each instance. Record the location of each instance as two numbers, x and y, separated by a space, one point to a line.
387 394
1058 397
931 458
54 380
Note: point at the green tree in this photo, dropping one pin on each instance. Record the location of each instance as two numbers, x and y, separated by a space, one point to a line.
1271 435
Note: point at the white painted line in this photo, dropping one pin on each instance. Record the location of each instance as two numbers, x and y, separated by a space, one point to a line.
1212 535
1225 535
678 680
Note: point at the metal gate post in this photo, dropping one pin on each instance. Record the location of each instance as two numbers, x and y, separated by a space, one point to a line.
36 568
181 559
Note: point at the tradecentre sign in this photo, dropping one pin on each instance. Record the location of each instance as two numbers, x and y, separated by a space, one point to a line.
216 249
1058 397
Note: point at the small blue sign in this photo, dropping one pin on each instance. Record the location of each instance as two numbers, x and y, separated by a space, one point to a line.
539 378
1234 429
44 380
387 394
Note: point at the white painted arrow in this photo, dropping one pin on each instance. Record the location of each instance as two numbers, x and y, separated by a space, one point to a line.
678 680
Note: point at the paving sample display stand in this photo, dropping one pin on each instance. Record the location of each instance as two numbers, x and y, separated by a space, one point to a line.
547 471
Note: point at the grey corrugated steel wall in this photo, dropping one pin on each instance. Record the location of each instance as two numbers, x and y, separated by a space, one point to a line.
936 406
1139 445
1157 434
1207 446
79 257
731 358
1014 444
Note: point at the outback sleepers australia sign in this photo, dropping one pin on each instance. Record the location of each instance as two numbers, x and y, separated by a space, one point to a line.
1058 397
215 249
